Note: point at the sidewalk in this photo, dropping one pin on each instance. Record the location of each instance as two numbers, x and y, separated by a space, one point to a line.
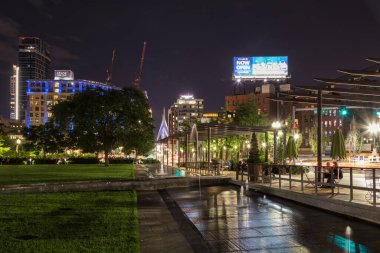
159 232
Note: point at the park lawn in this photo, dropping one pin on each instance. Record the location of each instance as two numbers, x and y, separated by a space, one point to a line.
69 222
28 174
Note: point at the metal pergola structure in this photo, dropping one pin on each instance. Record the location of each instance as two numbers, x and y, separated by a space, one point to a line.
352 89
207 132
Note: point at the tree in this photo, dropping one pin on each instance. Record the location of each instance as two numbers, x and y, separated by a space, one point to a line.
223 117
3 147
354 138
248 114
313 139
101 120
254 156
43 138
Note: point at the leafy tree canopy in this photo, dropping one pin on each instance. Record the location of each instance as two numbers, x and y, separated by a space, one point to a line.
248 114
101 120
44 138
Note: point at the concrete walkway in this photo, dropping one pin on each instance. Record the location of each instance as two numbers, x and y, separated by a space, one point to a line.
159 232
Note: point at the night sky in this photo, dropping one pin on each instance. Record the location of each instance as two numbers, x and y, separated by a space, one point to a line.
191 43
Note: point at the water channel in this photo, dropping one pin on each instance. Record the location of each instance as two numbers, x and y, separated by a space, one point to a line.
233 220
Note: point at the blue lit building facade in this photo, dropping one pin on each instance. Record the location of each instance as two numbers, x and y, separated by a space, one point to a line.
42 95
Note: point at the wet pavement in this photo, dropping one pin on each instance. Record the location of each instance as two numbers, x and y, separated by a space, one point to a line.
232 221
162 171
159 231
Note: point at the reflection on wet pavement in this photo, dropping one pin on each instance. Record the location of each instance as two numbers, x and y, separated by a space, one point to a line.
159 171
232 221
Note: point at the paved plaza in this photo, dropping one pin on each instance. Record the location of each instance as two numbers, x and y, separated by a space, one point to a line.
232 221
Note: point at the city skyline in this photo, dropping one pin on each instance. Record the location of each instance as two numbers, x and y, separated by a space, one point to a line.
175 63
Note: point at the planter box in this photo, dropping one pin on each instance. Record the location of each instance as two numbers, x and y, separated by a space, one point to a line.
254 171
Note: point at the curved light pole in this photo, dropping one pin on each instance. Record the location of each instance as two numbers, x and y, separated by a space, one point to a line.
275 125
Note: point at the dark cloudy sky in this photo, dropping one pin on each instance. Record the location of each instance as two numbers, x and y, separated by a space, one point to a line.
191 42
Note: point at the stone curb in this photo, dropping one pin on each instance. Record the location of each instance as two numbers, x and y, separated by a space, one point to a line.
114 185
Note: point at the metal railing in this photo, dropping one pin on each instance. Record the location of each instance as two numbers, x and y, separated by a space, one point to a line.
288 175
203 168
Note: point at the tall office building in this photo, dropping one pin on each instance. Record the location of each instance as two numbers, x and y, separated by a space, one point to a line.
42 95
14 94
185 110
34 62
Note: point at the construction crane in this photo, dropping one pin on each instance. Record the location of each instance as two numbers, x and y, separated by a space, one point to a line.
137 80
110 70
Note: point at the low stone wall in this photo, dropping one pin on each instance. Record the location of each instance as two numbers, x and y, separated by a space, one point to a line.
112 185
346 208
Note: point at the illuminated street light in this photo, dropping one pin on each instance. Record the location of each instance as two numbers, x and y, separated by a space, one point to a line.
276 125
374 128
18 142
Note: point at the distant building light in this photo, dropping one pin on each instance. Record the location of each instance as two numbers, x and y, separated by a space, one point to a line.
188 96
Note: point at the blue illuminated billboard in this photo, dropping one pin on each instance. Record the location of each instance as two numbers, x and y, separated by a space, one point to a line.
265 67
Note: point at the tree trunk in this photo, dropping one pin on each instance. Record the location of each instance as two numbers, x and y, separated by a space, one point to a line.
106 159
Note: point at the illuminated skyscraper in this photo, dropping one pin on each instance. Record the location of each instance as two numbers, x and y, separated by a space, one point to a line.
185 111
34 63
14 90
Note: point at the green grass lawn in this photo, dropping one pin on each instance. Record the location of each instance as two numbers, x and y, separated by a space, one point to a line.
69 222
26 174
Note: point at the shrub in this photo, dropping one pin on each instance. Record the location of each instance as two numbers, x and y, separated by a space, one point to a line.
150 161
121 160
12 160
45 161
83 160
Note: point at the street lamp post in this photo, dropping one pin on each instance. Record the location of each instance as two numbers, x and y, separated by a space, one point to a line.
275 125
18 142
374 129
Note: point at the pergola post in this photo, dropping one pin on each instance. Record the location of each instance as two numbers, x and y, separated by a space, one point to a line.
277 106
266 147
167 154
173 153
319 138
178 152
186 151
284 148
196 156
208 147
